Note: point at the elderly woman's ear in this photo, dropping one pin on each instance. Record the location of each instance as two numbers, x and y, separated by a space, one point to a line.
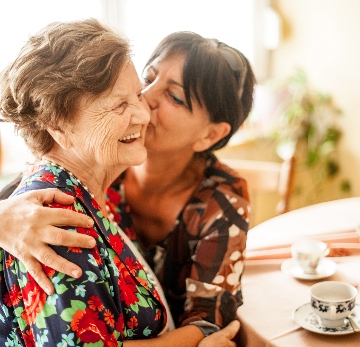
60 137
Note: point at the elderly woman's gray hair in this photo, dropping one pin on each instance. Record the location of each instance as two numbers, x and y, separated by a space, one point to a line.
56 67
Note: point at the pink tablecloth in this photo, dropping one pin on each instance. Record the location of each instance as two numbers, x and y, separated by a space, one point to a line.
270 296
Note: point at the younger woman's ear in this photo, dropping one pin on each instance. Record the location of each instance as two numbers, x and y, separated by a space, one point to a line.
213 133
60 137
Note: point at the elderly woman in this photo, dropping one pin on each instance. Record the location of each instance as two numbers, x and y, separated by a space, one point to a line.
75 97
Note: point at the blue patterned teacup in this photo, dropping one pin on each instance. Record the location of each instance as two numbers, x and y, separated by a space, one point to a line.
333 301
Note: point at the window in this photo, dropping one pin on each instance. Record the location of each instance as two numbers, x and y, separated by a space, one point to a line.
144 22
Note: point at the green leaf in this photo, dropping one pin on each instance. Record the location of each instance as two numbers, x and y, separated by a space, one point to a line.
312 158
40 321
135 308
49 310
146 331
22 267
76 305
142 290
61 288
67 314
106 223
142 302
346 186
94 344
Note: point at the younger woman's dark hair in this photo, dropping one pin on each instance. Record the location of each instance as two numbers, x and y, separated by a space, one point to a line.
211 76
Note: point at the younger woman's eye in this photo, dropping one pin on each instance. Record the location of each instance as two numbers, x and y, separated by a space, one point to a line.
146 80
177 100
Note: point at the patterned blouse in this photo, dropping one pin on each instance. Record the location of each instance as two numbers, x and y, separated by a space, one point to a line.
112 301
201 261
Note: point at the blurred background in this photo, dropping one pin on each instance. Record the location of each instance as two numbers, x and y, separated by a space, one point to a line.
305 55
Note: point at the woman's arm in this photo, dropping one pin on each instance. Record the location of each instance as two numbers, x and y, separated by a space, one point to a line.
190 336
27 227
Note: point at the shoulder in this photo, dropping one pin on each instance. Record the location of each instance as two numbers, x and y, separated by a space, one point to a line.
42 177
220 182
221 198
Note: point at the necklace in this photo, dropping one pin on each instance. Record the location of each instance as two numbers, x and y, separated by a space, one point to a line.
73 177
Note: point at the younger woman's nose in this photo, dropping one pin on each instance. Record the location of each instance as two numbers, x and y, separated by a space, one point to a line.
149 93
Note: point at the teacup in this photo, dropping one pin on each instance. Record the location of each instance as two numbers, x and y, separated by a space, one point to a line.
308 254
333 301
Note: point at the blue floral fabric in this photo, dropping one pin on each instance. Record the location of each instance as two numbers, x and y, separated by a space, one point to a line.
112 301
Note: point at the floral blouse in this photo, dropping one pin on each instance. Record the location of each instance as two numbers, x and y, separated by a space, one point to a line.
112 301
201 261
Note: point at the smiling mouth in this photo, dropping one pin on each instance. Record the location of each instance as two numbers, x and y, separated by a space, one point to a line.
130 138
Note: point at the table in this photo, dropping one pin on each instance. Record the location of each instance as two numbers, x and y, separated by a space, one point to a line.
270 296
333 222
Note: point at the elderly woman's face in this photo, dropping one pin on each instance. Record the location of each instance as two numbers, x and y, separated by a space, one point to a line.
110 130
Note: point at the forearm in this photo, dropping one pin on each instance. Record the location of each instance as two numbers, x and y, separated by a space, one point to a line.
188 336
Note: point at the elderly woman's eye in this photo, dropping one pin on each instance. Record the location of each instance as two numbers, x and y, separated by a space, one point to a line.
120 108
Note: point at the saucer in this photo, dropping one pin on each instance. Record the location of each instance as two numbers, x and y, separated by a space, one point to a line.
325 268
307 319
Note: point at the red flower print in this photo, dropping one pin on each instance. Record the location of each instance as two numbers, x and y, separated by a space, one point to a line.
66 207
78 192
132 323
110 341
34 301
88 327
88 231
114 196
48 270
75 249
116 243
9 260
120 324
158 315
29 339
95 204
95 303
47 178
109 318
95 253
132 264
128 293
13 297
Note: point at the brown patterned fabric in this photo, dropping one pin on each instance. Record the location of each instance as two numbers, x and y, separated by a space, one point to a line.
200 263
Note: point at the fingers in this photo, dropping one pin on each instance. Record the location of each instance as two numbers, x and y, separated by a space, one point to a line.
48 257
36 271
47 196
231 329
61 237
60 216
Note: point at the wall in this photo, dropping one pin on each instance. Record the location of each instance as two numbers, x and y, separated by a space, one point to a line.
322 36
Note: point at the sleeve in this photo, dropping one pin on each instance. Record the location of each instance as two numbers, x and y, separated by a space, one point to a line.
81 312
213 289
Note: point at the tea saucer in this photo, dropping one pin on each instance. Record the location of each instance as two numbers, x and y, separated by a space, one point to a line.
326 268
307 319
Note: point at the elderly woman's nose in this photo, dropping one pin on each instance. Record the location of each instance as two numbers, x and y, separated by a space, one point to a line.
141 113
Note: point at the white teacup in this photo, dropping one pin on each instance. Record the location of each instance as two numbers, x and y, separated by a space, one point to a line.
308 254
333 301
